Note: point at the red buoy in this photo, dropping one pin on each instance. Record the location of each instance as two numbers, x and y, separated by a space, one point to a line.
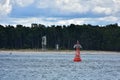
77 57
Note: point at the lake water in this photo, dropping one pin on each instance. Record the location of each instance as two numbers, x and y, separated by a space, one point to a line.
58 66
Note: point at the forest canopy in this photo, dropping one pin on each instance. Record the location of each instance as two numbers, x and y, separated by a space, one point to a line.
91 37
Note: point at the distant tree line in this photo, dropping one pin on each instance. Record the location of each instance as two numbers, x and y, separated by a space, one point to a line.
90 37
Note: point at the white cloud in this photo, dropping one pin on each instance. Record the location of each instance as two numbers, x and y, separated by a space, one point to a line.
76 6
107 7
64 5
71 21
116 1
44 4
101 10
23 3
109 18
5 8
116 8
27 21
60 21
110 9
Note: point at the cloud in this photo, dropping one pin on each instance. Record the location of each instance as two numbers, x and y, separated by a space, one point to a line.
74 6
5 8
71 21
101 10
61 21
109 18
116 1
26 21
61 12
107 7
23 3
65 6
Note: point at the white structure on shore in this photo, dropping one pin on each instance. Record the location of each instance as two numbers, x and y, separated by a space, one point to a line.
44 42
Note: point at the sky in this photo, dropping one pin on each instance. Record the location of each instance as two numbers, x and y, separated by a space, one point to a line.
59 12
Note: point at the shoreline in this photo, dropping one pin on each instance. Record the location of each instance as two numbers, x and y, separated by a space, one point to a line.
39 51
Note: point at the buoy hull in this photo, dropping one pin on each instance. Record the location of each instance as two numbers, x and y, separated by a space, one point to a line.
77 59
